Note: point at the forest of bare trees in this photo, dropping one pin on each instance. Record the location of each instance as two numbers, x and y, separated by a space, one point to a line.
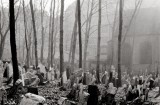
60 48
41 29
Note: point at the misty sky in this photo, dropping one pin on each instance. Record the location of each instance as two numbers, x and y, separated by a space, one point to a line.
145 3
67 3
128 3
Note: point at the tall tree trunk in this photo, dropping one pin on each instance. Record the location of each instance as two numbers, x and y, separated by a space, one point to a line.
52 34
98 43
74 34
49 42
1 49
42 31
35 36
23 48
20 55
71 48
42 47
79 31
85 43
13 41
33 58
56 31
3 35
26 41
61 41
113 32
88 27
119 41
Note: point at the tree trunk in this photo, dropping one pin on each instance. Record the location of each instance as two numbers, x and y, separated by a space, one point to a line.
19 43
3 38
113 32
56 31
88 27
42 47
13 41
61 41
1 49
3 35
35 36
23 48
42 31
73 40
33 52
98 43
52 34
74 34
26 42
71 48
49 42
119 42
79 31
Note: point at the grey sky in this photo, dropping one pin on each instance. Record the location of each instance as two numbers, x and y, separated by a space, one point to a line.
128 3
67 3
145 3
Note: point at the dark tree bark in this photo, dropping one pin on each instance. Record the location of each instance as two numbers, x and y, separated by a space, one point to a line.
119 41
4 35
98 43
13 41
35 36
61 41
79 31
74 35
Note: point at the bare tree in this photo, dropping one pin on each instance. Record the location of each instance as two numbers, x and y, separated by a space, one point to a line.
34 30
13 41
61 41
52 34
42 30
74 34
26 41
71 48
49 42
74 39
138 4
56 31
119 41
133 18
98 42
43 5
87 32
113 32
79 31
4 30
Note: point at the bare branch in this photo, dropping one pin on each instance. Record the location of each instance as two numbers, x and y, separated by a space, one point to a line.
18 11
3 13
16 2
137 7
